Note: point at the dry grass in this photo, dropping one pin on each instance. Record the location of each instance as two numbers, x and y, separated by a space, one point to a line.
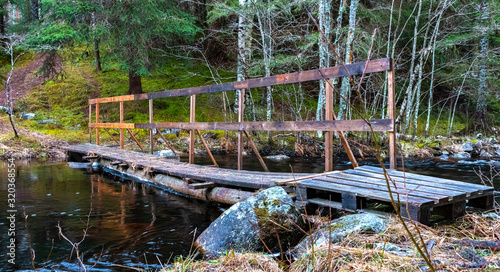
231 262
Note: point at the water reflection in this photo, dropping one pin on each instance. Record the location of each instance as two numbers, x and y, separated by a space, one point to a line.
130 223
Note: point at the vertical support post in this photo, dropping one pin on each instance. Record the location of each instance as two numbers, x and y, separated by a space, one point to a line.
241 110
151 140
191 132
392 115
97 123
121 129
90 122
328 117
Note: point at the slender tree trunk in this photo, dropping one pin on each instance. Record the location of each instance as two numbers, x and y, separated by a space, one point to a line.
408 99
97 56
35 15
324 55
384 100
244 48
345 92
482 91
135 84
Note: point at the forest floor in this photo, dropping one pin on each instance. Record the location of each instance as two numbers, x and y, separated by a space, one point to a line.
449 246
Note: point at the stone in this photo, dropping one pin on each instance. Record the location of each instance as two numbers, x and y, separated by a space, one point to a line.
485 155
165 153
491 216
5 109
48 121
394 249
335 231
161 141
277 158
467 147
255 225
461 156
27 116
444 157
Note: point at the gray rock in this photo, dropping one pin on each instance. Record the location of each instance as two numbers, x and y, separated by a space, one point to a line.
79 165
336 230
168 154
171 131
5 109
247 225
491 216
461 156
48 121
444 157
27 116
445 153
467 147
388 247
277 158
161 141
485 155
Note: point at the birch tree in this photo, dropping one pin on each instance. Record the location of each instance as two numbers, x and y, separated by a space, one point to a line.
244 45
345 91
324 15
482 91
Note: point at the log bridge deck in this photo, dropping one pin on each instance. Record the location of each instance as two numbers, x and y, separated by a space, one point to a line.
420 195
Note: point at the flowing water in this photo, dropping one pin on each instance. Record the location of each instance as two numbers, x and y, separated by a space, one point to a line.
129 224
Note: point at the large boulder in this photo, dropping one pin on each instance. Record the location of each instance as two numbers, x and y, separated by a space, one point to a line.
461 156
335 231
268 220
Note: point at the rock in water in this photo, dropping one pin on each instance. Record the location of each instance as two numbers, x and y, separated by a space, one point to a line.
268 217
336 230
277 158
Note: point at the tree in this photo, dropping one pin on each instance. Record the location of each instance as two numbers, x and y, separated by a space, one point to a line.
137 28
482 91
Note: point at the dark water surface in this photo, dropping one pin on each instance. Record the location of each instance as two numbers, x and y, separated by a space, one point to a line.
132 224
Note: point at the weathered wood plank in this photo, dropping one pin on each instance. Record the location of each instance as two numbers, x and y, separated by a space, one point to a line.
373 66
462 185
380 195
391 103
112 125
334 125
202 185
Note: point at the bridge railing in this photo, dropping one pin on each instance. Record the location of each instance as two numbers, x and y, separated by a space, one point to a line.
329 125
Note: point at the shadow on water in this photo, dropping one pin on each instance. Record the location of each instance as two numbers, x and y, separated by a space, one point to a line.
133 224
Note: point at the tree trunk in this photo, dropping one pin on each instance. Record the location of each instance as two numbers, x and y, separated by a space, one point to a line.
482 91
324 54
35 15
135 84
97 56
345 92
244 49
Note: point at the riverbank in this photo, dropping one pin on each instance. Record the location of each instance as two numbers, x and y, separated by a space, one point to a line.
450 246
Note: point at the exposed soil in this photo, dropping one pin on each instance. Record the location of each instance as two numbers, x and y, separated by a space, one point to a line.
24 79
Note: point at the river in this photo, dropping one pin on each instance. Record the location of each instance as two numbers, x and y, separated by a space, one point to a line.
130 224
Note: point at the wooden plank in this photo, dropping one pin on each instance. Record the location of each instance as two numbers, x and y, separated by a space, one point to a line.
207 148
151 139
115 162
462 185
326 203
256 151
409 184
380 195
293 181
122 140
334 125
241 111
135 139
90 157
90 122
373 66
114 125
391 101
166 141
97 123
383 188
192 120
328 117
202 185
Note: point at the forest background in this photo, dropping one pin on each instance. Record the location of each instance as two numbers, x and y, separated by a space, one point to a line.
445 53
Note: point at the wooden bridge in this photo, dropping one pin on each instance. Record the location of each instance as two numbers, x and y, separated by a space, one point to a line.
421 196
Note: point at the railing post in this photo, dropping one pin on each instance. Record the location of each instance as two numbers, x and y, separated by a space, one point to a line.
192 118
392 115
241 110
328 117
151 121
97 123
121 129
90 122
